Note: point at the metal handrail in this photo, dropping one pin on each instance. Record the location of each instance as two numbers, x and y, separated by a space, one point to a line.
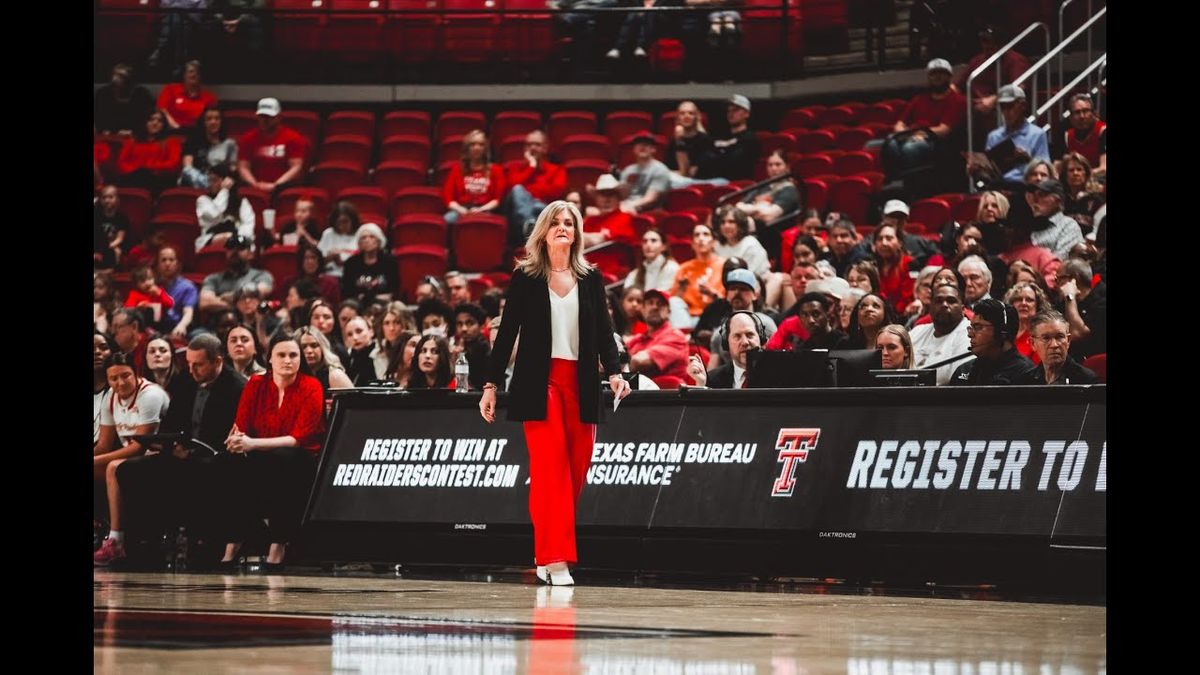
1057 51
1061 28
1054 100
993 59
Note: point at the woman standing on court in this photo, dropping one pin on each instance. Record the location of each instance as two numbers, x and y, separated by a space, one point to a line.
556 302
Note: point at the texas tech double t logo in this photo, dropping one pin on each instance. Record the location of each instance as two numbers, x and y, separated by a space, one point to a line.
793 446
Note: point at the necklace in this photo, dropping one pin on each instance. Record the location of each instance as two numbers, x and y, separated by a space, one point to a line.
565 269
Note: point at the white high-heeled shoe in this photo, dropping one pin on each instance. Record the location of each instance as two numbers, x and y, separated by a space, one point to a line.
555 574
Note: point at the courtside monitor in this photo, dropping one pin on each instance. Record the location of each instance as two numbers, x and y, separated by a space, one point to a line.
851 367
789 370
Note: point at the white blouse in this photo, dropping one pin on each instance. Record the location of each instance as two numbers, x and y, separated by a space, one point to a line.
564 325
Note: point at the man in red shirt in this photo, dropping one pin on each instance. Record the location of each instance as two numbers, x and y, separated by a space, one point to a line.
662 349
1087 135
926 123
270 157
611 222
535 182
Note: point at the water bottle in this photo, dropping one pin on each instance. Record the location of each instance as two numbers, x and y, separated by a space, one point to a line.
461 370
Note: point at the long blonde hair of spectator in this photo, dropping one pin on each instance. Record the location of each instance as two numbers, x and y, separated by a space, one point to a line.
1001 201
696 109
466 151
536 262
328 356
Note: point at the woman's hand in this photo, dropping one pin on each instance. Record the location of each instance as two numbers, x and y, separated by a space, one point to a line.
620 386
487 405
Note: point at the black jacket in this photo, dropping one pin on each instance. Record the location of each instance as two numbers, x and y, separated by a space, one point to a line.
1072 373
1010 368
219 412
527 309
721 377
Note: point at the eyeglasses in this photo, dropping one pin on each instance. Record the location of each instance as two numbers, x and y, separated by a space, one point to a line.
977 327
1057 337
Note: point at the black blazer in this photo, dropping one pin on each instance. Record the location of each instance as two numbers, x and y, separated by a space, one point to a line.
721 377
527 309
219 412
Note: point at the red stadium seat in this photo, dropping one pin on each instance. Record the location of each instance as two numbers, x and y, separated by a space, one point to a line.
209 260
350 123
807 166
458 123
508 123
470 38
853 138
392 176
967 211
137 207
238 122
478 242
568 123
851 196
178 201
405 123
406 148
354 150
814 141
414 33
334 177
683 199
853 163
1098 364
511 149
878 113
818 194
678 225
419 229
932 212
584 172
280 261
416 262
836 115
798 118
613 257
585 146
368 200
449 149
780 141
621 123
417 199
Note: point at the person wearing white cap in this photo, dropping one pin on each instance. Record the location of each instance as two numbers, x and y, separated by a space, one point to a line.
895 213
1029 139
371 274
609 221
734 156
930 118
272 156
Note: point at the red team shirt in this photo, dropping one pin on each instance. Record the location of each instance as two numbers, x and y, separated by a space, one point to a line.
183 108
474 189
268 156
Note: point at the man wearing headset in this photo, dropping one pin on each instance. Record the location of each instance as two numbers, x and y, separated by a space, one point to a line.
742 333
992 331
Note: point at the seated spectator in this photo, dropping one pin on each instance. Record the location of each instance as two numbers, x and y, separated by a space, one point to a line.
429 288
1029 139
741 295
1085 306
895 346
303 227
102 159
222 212
185 102
627 311
871 313
978 277
322 360
1052 340
843 247
895 214
431 367
360 341
925 128
102 346
146 293
662 349
159 488
348 309
775 199
799 247
810 328
400 369
322 318
801 275
242 347
291 313
218 288
434 317
207 146
310 266
1052 228
996 361
922 296
474 184
945 335
121 107
865 275
340 240
741 335
109 227
1022 272
1084 195
271 157
254 311
370 274
1028 300
644 183
535 182
395 325
273 447
161 368
1087 135
132 406
104 300
606 221
638 29
458 289
895 283
177 319
470 322
733 157
698 281
734 240
846 307
658 268
129 330
983 92
688 145
151 159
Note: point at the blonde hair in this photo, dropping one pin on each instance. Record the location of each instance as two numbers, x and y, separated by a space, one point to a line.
466 150
905 341
536 262
328 357
699 117
1001 201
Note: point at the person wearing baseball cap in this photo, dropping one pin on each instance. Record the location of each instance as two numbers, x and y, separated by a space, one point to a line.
662 349
734 156
218 289
931 116
1051 228
1029 139
271 157
984 89
742 292
647 180
992 332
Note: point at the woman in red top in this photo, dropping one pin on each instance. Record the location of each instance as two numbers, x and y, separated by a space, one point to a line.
474 185
184 102
273 448
1028 300
151 161
895 284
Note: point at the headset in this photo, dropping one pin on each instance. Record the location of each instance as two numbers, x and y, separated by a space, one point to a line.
1006 329
723 331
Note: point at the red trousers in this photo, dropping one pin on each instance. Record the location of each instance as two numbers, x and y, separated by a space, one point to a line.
560 451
